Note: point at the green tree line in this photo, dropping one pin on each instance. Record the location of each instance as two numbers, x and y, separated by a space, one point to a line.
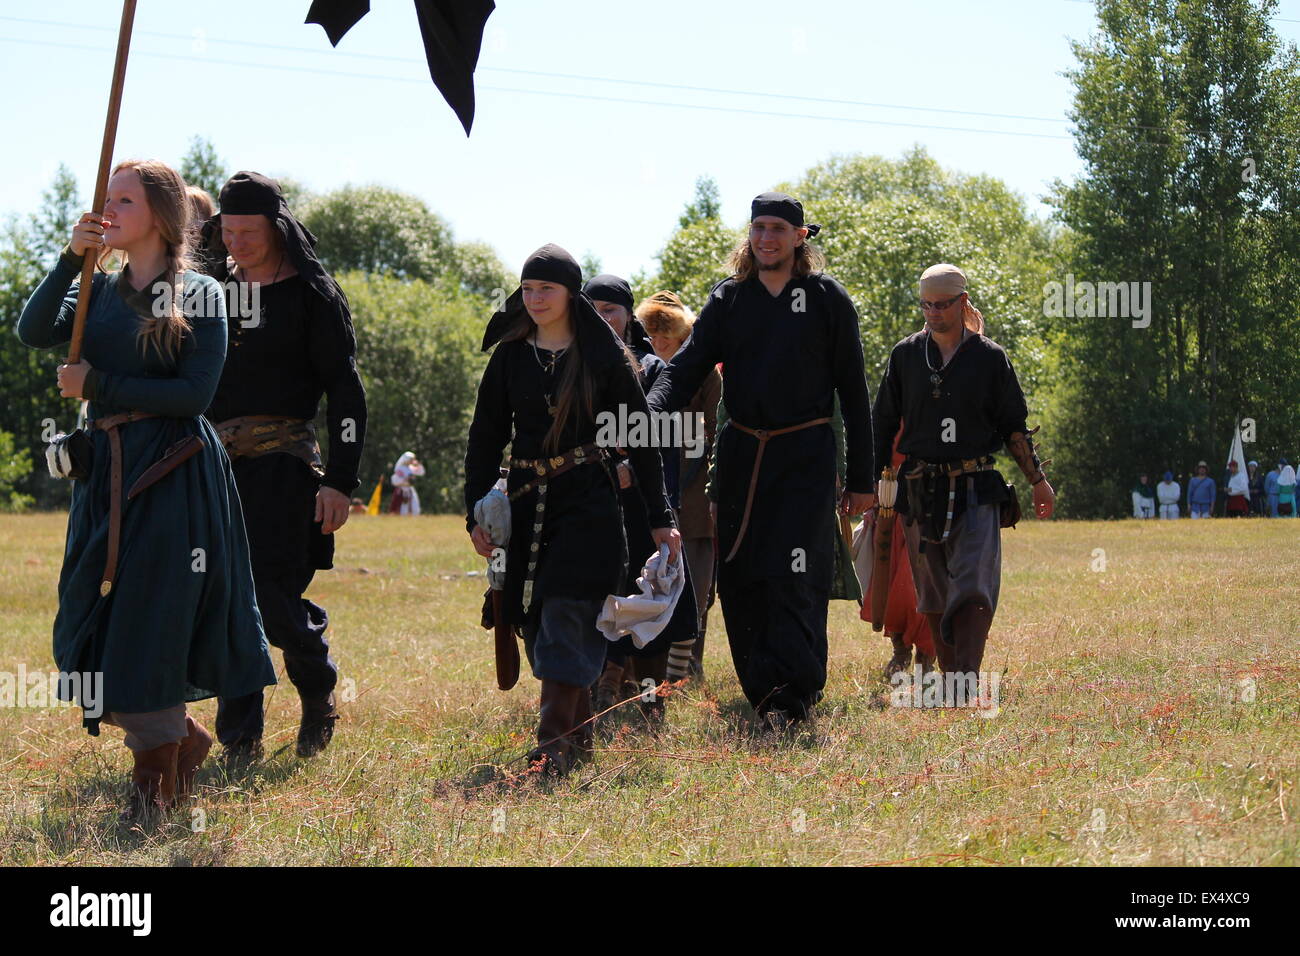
1187 120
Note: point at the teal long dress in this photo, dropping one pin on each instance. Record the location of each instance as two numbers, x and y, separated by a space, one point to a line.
181 622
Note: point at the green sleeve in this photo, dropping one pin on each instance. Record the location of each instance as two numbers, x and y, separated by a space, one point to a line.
198 368
46 320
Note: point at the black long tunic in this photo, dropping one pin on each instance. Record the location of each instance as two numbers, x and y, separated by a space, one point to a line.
684 623
784 359
300 348
980 404
583 550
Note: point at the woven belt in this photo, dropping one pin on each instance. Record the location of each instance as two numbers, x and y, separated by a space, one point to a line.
545 469
762 434
250 436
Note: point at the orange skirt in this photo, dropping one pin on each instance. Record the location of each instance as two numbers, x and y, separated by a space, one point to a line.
901 615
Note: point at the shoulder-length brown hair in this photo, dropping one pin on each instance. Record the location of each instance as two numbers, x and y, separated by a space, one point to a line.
807 260
165 191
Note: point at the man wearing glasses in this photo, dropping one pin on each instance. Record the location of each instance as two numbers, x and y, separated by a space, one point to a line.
958 400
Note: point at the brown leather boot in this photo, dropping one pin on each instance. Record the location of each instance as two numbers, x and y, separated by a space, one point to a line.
153 781
553 754
946 653
584 732
902 659
193 749
608 688
970 628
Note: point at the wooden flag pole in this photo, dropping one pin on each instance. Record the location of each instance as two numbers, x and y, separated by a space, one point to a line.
101 182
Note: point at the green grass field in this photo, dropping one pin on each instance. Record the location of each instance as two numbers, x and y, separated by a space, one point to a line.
1148 716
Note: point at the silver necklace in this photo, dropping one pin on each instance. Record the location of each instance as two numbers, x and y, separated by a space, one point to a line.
547 368
936 379
555 356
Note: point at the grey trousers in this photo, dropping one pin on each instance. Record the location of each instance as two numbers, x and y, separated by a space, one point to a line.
149 730
966 567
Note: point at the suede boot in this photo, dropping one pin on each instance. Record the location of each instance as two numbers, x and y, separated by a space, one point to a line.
192 751
553 754
153 782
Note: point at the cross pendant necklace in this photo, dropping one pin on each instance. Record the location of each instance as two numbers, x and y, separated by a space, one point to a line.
936 380
548 368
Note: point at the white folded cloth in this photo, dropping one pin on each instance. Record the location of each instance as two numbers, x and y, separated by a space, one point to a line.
492 512
646 614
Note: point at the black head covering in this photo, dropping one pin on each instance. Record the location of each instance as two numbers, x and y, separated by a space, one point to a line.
252 194
596 340
553 264
779 204
611 288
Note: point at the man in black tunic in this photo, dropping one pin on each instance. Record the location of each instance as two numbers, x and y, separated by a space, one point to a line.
958 400
787 335
295 345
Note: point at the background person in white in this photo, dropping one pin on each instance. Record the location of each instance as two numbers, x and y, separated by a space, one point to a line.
1168 494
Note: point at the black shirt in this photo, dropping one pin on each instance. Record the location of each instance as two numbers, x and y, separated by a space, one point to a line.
284 360
785 358
980 404
583 552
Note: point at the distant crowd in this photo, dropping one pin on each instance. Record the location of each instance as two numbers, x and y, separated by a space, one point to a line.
1252 494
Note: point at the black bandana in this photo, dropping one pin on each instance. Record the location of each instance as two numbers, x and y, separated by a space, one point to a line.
596 340
553 264
783 206
610 288
252 194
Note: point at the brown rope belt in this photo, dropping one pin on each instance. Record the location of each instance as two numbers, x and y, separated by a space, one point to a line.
176 455
545 469
763 435
931 470
250 436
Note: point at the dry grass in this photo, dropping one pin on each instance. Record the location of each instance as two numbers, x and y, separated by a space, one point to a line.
1122 736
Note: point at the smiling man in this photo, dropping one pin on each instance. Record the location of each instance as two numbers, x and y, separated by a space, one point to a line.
298 347
787 335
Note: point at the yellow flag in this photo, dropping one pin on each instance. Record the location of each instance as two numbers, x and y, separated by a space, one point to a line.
373 507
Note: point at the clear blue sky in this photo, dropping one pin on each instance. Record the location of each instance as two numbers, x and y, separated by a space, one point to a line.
554 159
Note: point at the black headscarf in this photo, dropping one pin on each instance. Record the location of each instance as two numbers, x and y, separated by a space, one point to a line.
786 207
596 340
611 288
252 194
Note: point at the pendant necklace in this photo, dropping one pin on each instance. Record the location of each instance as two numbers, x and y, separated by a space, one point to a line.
257 322
936 379
548 368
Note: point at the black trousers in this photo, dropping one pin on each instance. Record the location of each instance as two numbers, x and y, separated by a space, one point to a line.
296 626
777 632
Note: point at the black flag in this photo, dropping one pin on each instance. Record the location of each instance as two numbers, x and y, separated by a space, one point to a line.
452 31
